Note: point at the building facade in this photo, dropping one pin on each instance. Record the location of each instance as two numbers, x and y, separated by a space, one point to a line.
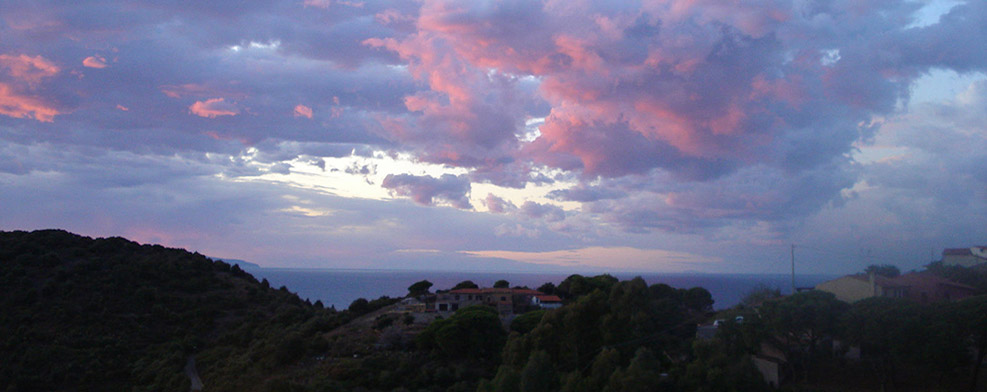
965 257
922 287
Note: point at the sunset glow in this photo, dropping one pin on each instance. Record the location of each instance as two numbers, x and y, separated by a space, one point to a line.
638 135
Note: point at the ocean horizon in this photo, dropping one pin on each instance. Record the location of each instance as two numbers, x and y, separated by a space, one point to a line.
340 287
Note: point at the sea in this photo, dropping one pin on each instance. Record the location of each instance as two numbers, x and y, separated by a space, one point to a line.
340 287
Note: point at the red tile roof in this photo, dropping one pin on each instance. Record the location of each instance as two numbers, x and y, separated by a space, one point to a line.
549 298
467 291
920 278
497 291
910 279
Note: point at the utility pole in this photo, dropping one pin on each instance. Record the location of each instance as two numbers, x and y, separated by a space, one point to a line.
793 268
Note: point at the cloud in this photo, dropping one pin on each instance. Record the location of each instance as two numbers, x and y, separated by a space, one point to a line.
303 111
498 205
212 108
324 4
583 193
28 69
547 212
426 190
16 105
94 62
18 98
516 230
702 124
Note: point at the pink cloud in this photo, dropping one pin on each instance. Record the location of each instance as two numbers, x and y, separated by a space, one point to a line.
174 91
714 87
213 108
123 108
303 111
94 62
28 69
199 90
391 15
20 106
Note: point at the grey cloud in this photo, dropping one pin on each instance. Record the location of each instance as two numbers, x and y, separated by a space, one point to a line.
583 193
498 205
547 212
427 190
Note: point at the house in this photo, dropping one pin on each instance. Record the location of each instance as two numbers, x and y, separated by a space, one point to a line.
922 287
770 362
966 257
546 301
504 299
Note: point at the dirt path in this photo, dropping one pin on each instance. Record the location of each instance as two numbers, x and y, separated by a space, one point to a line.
193 374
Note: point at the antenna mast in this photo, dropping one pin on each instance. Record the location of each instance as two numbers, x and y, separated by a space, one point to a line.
793 268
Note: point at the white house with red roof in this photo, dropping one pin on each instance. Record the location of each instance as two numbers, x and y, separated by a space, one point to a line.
547 301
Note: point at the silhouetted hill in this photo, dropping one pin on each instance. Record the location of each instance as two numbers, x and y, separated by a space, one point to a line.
239 262
109 314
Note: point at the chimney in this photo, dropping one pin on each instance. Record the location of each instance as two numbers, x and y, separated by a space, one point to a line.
873 283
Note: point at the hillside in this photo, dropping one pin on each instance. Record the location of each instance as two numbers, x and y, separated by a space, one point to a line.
110 314
85 314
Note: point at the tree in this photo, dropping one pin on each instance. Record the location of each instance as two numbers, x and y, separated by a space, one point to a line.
698 299
889 332
466 284
527 321
472 332
360 306
972 315
547 288
419 288
538 374
801 321
502 284
886 270
759 294
577 285
712 370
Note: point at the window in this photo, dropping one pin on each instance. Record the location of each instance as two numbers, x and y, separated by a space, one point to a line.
443 307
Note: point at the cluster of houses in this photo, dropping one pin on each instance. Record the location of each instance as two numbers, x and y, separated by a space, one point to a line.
507 301
920 287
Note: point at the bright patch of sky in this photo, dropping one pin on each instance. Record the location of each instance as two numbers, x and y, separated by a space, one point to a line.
930 13
633 259
360 177
941 85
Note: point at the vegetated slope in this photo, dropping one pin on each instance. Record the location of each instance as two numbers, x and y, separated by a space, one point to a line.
109 314
86 314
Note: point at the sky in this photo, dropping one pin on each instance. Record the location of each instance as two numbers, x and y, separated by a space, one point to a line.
654 136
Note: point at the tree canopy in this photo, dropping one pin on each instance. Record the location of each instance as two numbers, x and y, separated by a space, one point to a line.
886 270
419 288
466 284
